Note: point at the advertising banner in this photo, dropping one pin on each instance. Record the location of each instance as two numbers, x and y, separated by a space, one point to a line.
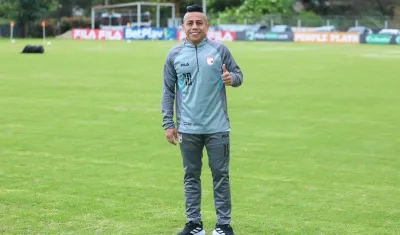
378 39
241 36
223 36
150 33
97 34
382 39
398 40
327 37
268 36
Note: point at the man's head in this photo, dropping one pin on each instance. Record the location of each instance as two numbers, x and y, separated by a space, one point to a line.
195 24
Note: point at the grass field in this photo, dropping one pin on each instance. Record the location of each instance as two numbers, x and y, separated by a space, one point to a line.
315 141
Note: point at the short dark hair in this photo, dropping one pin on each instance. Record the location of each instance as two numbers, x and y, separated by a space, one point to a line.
194 8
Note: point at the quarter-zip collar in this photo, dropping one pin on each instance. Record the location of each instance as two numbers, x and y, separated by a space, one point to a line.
202 43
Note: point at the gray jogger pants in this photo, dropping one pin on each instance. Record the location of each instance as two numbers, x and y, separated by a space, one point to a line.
217 147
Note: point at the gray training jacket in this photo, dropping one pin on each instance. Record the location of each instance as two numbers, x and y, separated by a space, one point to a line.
192 76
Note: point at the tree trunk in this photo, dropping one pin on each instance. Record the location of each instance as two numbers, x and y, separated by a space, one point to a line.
177 8
396 17
26 29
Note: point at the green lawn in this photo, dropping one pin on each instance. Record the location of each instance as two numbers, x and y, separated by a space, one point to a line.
315 141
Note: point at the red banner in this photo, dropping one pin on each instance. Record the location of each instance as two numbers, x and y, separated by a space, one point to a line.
327 37
97 34
223 36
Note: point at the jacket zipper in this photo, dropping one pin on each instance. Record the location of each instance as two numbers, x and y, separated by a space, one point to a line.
197 59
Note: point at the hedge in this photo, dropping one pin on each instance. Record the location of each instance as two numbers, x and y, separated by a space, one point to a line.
66 23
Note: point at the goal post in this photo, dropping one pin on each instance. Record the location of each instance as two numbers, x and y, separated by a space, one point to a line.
138 5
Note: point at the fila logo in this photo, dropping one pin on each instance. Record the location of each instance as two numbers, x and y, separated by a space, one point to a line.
185 65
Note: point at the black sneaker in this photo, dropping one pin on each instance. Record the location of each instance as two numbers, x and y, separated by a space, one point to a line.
224 229
193 229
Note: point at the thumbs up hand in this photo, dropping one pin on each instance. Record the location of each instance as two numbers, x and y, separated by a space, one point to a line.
226 76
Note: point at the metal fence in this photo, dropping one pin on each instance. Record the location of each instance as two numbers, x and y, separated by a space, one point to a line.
340 22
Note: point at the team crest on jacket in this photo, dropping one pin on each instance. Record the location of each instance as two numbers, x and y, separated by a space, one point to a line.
210 60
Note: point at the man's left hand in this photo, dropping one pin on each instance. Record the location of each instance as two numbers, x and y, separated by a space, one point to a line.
226 76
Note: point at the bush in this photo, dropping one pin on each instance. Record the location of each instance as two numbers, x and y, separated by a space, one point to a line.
36 29
53 29
68 23
310 19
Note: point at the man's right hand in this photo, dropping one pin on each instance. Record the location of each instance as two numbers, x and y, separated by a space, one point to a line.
171 135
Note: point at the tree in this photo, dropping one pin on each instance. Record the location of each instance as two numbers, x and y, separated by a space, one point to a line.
381 7
253 10
351 7
213 6
26 11
6 6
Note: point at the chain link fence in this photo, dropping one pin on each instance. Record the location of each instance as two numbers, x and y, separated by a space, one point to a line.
341 23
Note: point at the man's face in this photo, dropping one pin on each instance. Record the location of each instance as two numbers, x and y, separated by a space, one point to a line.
195 26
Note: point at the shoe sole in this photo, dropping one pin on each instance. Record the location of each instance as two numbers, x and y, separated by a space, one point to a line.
202 232
216 233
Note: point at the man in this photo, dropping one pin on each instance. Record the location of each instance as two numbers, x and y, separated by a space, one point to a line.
195 74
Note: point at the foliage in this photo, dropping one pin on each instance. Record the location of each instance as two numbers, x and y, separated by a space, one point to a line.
68 23
213 6
239 11
252 10
311 19
24 11
52 28
351 7
6 7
